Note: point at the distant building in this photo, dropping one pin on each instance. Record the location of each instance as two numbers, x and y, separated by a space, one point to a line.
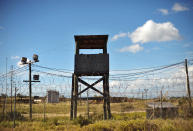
37 99
158 110
52 96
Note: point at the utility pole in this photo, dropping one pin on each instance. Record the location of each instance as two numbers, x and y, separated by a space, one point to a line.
30 99
188 85
11 86
36 79
30 102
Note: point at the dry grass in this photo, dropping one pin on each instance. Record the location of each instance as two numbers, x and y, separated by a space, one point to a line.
126 116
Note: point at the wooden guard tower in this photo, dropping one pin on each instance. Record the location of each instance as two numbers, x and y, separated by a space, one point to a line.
91 65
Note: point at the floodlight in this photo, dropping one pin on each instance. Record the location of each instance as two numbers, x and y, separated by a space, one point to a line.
35 77
24 60
35 58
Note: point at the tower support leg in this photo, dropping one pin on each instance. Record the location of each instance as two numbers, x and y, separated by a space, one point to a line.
104 98
75 95
108 96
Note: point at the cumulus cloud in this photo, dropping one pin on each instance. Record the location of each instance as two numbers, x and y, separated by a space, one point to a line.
178 7
133 48
120 35
157 32
14 57
149 32
163 11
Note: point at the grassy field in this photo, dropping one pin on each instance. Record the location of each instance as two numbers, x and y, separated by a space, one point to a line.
126 116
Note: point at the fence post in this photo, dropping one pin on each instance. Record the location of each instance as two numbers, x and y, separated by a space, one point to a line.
14 107
188 85
161 104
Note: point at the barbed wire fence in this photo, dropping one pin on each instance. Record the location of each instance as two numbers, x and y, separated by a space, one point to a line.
142 85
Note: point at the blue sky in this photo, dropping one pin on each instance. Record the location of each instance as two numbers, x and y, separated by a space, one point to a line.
142 33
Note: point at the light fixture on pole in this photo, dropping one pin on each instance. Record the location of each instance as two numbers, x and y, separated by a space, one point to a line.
24 61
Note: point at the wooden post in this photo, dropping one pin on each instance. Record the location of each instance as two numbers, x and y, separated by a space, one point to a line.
188 85
77 48
80 94
161 110
72 98
75 95
30 99
87 105
44 109
11 87
105 50
104 97
146 95
153 110
108 97
14 107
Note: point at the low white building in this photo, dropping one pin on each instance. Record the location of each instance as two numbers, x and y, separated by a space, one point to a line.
52 96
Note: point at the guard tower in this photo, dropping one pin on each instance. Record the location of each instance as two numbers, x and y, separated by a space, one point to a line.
91 65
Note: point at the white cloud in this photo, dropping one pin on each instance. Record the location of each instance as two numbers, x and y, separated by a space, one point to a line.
178 7
120 35
14 57
158 32
133 48
163 11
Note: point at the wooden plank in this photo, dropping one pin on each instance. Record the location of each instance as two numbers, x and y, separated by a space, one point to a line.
90 85
91 64
91 41
86 84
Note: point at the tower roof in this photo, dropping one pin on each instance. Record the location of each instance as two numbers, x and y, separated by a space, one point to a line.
91 41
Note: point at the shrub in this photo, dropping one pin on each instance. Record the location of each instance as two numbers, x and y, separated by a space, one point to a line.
10 116
82 121
96 116
184 109
55 121
100 126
